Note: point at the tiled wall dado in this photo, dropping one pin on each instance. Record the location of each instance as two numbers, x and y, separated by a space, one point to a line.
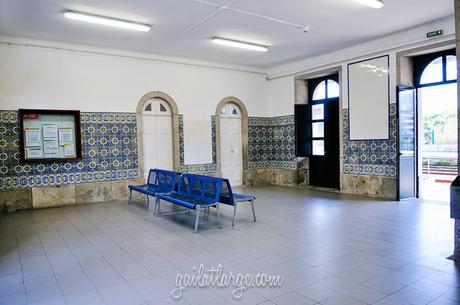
271 151
109 145
109 162
203 169
271 143
371 157
369 167
110 158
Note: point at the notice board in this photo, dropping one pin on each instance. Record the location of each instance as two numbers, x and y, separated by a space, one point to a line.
49 135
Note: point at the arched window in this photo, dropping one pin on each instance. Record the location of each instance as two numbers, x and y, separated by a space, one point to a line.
326 89
230 109
433 72
435 69
156 106
451 67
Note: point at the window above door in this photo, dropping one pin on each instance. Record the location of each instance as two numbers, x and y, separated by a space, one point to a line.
435 69
230 110
326 89
156 106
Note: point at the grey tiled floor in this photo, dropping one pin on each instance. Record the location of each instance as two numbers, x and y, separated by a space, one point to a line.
332 249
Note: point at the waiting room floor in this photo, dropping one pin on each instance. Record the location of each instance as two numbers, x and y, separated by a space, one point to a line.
332 249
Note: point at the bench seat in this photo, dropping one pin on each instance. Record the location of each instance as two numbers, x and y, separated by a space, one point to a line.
193 192
227 196
158 181
185 200
145 189
241 197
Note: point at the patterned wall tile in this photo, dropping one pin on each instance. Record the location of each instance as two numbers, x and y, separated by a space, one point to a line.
271 143
371 157
109 145
203 169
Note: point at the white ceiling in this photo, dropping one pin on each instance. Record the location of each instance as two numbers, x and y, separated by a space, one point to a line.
334 24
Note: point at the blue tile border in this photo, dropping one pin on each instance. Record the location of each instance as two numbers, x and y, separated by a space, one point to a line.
271 143
206 168
370 157
109 144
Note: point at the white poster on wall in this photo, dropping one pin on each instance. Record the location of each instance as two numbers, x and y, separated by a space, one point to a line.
33 137
69 150
197 140
368 99
50 149
34 152
50 131
65 136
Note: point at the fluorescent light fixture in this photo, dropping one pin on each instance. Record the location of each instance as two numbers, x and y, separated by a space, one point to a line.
113 22
239 44
372 3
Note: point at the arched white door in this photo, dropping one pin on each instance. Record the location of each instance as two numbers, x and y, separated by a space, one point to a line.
231 144
157 135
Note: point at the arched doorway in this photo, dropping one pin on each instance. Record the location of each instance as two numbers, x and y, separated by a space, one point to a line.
324 159
232 139
157 135
436 88
231 144
158 138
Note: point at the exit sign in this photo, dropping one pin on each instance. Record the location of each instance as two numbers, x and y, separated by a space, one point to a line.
434 33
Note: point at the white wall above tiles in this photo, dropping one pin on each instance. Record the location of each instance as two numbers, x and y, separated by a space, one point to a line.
44 77
48 75
281 78
32 77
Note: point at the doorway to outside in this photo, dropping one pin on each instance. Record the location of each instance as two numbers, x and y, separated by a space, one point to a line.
231 144
323 94
157 135
435 114
437 98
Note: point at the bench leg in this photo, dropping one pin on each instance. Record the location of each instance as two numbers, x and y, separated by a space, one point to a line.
253 211
234 214
148 201
197 217
218 216
130 194
157 207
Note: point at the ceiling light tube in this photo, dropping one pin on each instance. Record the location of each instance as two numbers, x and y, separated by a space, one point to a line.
372 3
239 44
108 21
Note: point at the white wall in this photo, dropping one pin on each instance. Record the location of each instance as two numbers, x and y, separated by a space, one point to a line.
37 77
281 78
42 77
281 96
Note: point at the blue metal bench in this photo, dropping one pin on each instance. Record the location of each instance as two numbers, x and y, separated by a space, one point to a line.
194 192
227 196
159 181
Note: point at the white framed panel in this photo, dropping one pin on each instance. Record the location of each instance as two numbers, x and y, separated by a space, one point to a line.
197 140
369 98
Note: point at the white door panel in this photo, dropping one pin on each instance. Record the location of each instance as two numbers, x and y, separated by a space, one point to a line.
157 136
231 146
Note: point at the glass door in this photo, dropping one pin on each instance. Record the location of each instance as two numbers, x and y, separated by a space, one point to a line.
407 118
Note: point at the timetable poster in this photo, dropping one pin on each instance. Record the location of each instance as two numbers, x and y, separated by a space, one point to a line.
49 136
